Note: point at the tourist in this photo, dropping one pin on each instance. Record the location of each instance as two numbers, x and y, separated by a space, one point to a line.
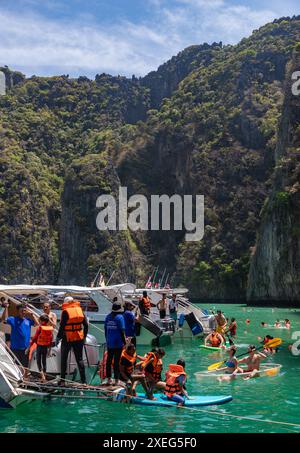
145 304
173 307
20 332
72 333
127 370
152 365
221 322
43 339
264 324
232 327
231 367
162 306
287 323
114 326
175 383
129 318
51 315
252 361
277 324
214 339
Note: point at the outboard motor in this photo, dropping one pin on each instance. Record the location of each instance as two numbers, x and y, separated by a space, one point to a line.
194 323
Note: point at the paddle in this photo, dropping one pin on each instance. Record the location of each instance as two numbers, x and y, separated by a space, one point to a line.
270 344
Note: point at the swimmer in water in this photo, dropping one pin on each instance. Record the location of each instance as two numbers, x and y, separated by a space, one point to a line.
277 324
287 323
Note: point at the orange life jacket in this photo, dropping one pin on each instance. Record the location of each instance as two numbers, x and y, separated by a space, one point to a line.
131 360
73 328
146 303
45 337
215 340
156 364
173 387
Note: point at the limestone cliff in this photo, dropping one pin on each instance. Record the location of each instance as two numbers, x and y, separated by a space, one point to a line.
275 266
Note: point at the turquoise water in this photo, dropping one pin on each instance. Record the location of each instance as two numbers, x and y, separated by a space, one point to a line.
267 398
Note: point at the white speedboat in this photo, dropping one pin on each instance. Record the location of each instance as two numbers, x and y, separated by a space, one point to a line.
11 379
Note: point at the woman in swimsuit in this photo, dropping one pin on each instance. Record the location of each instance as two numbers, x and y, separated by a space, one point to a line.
231 367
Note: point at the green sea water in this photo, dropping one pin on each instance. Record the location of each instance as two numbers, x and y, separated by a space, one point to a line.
273 399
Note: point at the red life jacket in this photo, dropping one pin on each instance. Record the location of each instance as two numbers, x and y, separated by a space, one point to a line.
215 340
173 387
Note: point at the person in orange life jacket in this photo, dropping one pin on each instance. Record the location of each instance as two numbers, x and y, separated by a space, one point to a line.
162 306
175 383
127 369
72 332
214 339
114 327
152 366
145 304
43 338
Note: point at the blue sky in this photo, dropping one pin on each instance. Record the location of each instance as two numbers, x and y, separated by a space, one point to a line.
86 37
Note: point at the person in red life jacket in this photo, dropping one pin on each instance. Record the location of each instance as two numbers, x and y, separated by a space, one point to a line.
43 339
127 370
72 333
145 304
175 383
232 328
214 339
152 366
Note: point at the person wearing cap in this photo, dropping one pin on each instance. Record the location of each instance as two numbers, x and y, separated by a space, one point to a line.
114 326
72 333
129 318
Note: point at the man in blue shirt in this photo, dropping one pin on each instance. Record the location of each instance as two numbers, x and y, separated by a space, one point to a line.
115 339
20 332
129 318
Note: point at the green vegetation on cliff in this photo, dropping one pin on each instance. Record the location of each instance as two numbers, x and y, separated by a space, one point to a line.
204 123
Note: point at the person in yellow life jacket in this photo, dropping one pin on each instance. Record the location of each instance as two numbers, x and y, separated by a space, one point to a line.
175 383
43 339
72 332
152 366
128 373
214 339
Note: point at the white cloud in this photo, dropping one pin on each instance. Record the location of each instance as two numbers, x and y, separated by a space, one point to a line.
35 44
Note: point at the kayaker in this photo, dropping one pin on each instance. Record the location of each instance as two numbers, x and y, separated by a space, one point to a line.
145 304
268 350
129 318
152 366
20 332
43 339
221 322
114 327
72 333
52 316
214 339
232 328
127 370
252 361
232 362
175 383
162 306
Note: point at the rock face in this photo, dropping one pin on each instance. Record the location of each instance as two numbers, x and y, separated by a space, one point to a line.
83 248
275 266
2 83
